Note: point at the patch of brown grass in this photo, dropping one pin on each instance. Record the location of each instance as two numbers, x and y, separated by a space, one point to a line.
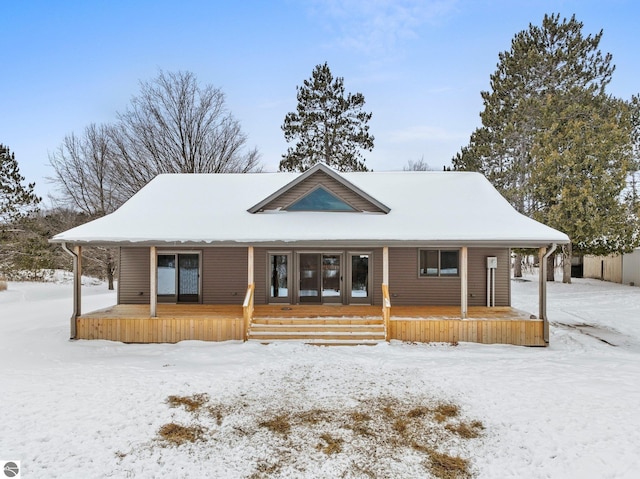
191 403
216 413
419 411
446 411
279 424
400 425
445 466
313 416
386 425
265 470
333 445
466 431
177 435
359 425
3 284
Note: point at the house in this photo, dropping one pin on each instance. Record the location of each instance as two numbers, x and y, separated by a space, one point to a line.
620 268
319 256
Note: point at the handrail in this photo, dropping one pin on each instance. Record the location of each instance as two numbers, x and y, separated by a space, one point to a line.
386 310
247 309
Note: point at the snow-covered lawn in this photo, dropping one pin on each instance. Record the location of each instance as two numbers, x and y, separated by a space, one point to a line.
95 408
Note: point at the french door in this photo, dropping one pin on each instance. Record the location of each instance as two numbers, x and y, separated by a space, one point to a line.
320 278
179 277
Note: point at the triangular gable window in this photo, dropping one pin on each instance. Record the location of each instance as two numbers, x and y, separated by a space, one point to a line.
320 200
320 189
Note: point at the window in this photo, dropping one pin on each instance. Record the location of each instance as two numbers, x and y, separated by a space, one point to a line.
435 262
320 200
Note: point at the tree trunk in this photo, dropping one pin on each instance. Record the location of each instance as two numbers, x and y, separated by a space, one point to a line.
566 263
551 267
517 266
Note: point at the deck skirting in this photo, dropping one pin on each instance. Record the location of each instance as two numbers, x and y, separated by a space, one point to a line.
132 324
160 330
511 331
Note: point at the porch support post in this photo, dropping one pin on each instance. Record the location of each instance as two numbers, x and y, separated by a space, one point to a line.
385 265
543 255
542 291
250 265
463 282
77 289
153 282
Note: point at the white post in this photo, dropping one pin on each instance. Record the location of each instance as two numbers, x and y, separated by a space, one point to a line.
542 284
385 265
488 287
153 281
250 265
493 287
463 282
77 288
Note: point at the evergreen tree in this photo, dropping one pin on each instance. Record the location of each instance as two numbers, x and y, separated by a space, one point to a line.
583 158
16 200
553 73
632 194
328 126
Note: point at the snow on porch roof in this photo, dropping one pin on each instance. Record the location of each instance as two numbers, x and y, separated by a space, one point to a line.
436 208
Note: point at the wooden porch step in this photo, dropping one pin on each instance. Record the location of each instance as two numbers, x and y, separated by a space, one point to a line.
311 328
297 322
328 331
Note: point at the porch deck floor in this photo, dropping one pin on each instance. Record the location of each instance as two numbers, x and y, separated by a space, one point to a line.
232 311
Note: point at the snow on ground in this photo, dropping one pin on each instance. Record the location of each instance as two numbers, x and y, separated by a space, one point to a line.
94 408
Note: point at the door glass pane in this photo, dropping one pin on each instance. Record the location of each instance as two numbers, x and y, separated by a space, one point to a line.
188 264
360 276
279 276
166 274
330 275
309 279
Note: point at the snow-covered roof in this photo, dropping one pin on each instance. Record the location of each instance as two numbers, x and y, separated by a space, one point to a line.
435 208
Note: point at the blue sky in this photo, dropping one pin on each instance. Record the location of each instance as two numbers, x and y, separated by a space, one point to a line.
420 65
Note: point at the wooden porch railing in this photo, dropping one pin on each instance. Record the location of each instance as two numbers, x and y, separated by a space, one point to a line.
247 309
386 310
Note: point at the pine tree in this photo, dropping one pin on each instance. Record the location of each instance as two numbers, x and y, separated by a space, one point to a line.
583 158
328 126
16 200
553 73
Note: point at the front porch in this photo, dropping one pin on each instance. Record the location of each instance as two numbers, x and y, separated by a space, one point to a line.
327 324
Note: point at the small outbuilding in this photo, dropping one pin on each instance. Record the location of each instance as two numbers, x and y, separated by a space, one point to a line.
320 256
619 268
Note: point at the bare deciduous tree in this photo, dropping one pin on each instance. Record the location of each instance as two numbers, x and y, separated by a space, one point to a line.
83 167
419 165
176 126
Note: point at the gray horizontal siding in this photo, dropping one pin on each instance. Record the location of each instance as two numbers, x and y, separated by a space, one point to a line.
407 288
224 275
134 276
477 269
260 275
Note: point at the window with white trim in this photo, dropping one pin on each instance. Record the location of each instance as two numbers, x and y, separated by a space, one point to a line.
439 263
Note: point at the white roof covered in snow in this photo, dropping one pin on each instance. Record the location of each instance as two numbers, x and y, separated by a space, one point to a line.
435 208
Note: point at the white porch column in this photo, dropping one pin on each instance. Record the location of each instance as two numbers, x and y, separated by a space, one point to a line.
463 282
77 288
153 282
385 265
250 278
